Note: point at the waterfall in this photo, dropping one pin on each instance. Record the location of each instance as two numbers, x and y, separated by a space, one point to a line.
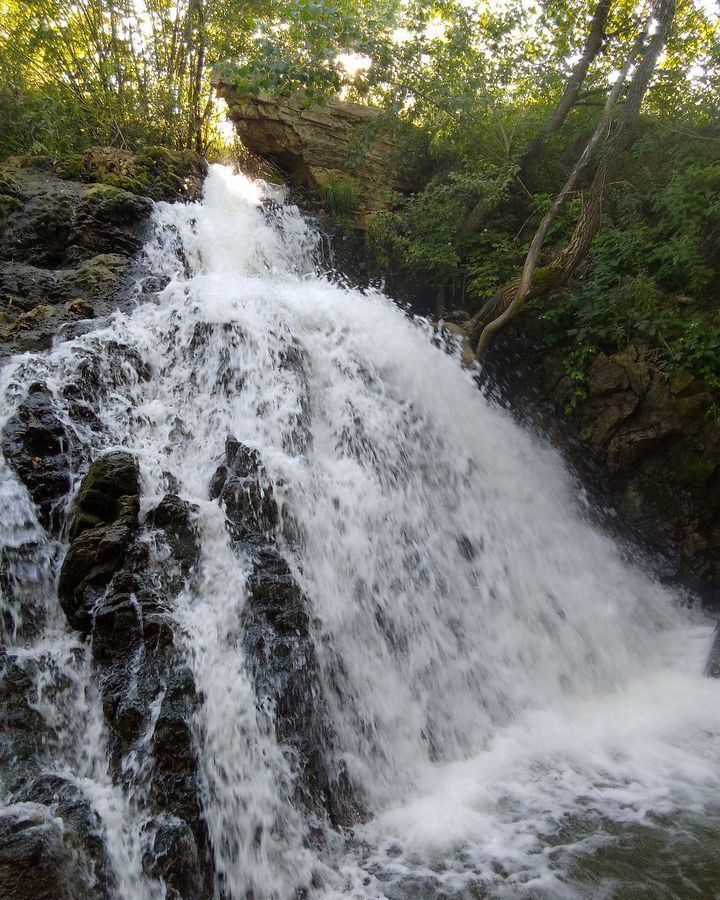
504 703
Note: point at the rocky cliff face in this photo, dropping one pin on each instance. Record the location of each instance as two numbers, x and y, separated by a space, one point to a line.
340 147
649 444
69 229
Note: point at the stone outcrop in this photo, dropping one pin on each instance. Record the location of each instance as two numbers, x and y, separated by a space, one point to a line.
38 445
40 857
339 147
69 229
102 529
277 639
651 442
113 589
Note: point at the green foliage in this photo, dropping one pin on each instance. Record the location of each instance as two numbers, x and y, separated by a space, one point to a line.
137 72
654 274
493 260
424 236
340 198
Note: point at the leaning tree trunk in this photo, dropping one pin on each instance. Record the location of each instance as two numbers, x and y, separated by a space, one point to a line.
479 214
593 45
536 281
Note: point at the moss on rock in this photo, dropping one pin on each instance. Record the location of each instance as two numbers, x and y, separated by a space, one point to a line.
154 172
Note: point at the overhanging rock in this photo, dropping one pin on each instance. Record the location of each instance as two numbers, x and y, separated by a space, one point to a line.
339 147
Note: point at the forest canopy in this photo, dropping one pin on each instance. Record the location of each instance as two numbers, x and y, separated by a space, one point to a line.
480 77
572 148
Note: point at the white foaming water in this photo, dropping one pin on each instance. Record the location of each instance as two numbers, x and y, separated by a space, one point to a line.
509 697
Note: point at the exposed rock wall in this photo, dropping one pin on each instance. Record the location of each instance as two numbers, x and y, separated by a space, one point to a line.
651 444
69 229
323 147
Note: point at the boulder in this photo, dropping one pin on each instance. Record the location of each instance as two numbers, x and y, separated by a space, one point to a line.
39 447
102 529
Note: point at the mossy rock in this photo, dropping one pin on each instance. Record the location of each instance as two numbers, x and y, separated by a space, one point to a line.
113 204
171 173
8 205
138 185
155 172
696 470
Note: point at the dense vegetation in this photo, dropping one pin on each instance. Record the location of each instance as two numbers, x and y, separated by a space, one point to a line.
486 86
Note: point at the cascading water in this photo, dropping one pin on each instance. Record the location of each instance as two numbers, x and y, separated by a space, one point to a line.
514 708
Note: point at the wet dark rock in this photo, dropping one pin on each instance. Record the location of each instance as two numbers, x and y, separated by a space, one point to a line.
175 776
103 526
176 519
172 856
242 487
24 733
118 583
38 446
283 661
80 406
92 560
32 861
117 627
149 702
41 859
83 839
277 640
103 495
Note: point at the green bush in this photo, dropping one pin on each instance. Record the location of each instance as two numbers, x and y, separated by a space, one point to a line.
340 198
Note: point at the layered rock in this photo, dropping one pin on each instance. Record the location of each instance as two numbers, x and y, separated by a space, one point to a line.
648 440
69 229
338 148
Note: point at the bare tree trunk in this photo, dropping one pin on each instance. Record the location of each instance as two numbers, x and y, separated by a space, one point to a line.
480 213
535 282
196 127
440 303
593 45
